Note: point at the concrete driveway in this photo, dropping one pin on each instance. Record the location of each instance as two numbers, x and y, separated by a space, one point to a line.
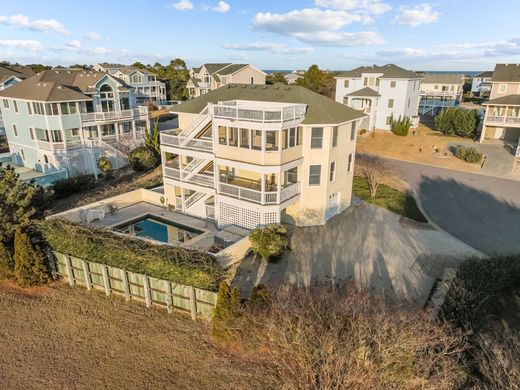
368 244
480 210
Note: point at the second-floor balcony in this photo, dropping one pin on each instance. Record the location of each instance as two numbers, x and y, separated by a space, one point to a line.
60 145
138 113
503 120
255 194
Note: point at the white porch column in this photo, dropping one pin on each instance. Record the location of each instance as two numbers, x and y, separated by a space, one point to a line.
134 130
262 189
98 127
279 187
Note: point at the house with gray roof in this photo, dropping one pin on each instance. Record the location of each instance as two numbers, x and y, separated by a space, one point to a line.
66 119
211 76
481 84
382 92
9 76
248 155
148 89
440 91
502 120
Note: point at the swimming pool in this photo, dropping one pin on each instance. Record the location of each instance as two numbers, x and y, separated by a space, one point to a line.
158 229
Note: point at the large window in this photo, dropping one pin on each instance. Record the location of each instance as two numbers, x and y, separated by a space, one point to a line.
335 136
291 176
314 175
68 108
38 108
317 138
222 138
56 136
136 78
244 138
332 172
256 139
233 136
271 140
52 109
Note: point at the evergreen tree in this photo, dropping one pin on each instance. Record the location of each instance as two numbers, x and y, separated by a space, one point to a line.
318 81
153 140
29 263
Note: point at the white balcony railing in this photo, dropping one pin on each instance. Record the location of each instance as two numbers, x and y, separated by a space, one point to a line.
206 180
283 115
507 120
55 146
199 144
257 196
172 172
134 113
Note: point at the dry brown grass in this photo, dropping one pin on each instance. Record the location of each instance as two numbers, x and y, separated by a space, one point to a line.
62 337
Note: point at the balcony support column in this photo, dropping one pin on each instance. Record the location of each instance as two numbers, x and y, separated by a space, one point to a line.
279 187
134 130
263 187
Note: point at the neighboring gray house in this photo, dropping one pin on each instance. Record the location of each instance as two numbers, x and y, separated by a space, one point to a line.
65 119
147 87
382 92
481 84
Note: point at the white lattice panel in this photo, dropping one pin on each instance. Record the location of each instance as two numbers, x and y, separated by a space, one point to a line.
272 217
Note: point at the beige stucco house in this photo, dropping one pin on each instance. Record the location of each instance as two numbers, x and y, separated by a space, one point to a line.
249 155
502 120
212 76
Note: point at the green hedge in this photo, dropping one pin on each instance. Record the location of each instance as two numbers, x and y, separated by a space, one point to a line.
176 264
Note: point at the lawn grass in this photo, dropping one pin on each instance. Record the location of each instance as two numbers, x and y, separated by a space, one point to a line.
394 200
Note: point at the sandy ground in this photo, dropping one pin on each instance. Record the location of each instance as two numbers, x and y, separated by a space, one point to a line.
63 337
418 148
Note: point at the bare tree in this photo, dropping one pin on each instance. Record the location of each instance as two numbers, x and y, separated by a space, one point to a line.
373 170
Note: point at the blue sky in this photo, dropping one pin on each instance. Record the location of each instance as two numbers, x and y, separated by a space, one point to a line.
335 34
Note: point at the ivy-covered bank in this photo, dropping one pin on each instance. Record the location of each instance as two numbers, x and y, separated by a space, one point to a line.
178 265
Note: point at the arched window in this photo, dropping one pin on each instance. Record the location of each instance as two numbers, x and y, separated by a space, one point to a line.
107 98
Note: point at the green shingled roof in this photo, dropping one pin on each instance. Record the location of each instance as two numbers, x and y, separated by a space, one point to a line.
231 69
389 71
320 109
212 68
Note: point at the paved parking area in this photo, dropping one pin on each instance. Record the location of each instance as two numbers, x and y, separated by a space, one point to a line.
368 244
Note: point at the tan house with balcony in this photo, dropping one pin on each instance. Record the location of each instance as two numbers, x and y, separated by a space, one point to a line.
502 120
249 155
212 76
440 91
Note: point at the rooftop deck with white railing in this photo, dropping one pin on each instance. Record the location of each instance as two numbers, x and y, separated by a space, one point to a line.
259 112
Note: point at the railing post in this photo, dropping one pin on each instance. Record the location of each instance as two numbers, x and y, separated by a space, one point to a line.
169 299
70 274
126 286
193 303
106 282
86 272
146 286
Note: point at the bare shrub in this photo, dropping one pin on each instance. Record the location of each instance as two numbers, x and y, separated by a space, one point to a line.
497 355
373 170
326 338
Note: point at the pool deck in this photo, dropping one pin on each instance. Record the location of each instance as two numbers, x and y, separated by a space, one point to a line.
201 242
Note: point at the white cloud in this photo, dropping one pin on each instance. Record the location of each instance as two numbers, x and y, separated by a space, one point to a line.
345 39
99 50
182 5
43 25
27 44
375 7
74 44
415 16
277 48
317 26
221 7
93 36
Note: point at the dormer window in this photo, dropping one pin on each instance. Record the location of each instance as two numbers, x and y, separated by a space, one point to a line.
135 78
207 78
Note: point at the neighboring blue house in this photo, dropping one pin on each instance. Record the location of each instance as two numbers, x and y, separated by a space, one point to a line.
66 119
147 87
9 76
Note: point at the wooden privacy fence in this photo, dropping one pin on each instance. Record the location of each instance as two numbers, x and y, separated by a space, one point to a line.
135 286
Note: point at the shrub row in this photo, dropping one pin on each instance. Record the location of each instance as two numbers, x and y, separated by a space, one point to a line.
468 154
176 264
476 288
72 185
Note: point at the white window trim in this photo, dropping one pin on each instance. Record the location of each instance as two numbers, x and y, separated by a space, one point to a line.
332 171
309 181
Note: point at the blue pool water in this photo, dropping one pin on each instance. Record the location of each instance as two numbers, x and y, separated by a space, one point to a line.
158 229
